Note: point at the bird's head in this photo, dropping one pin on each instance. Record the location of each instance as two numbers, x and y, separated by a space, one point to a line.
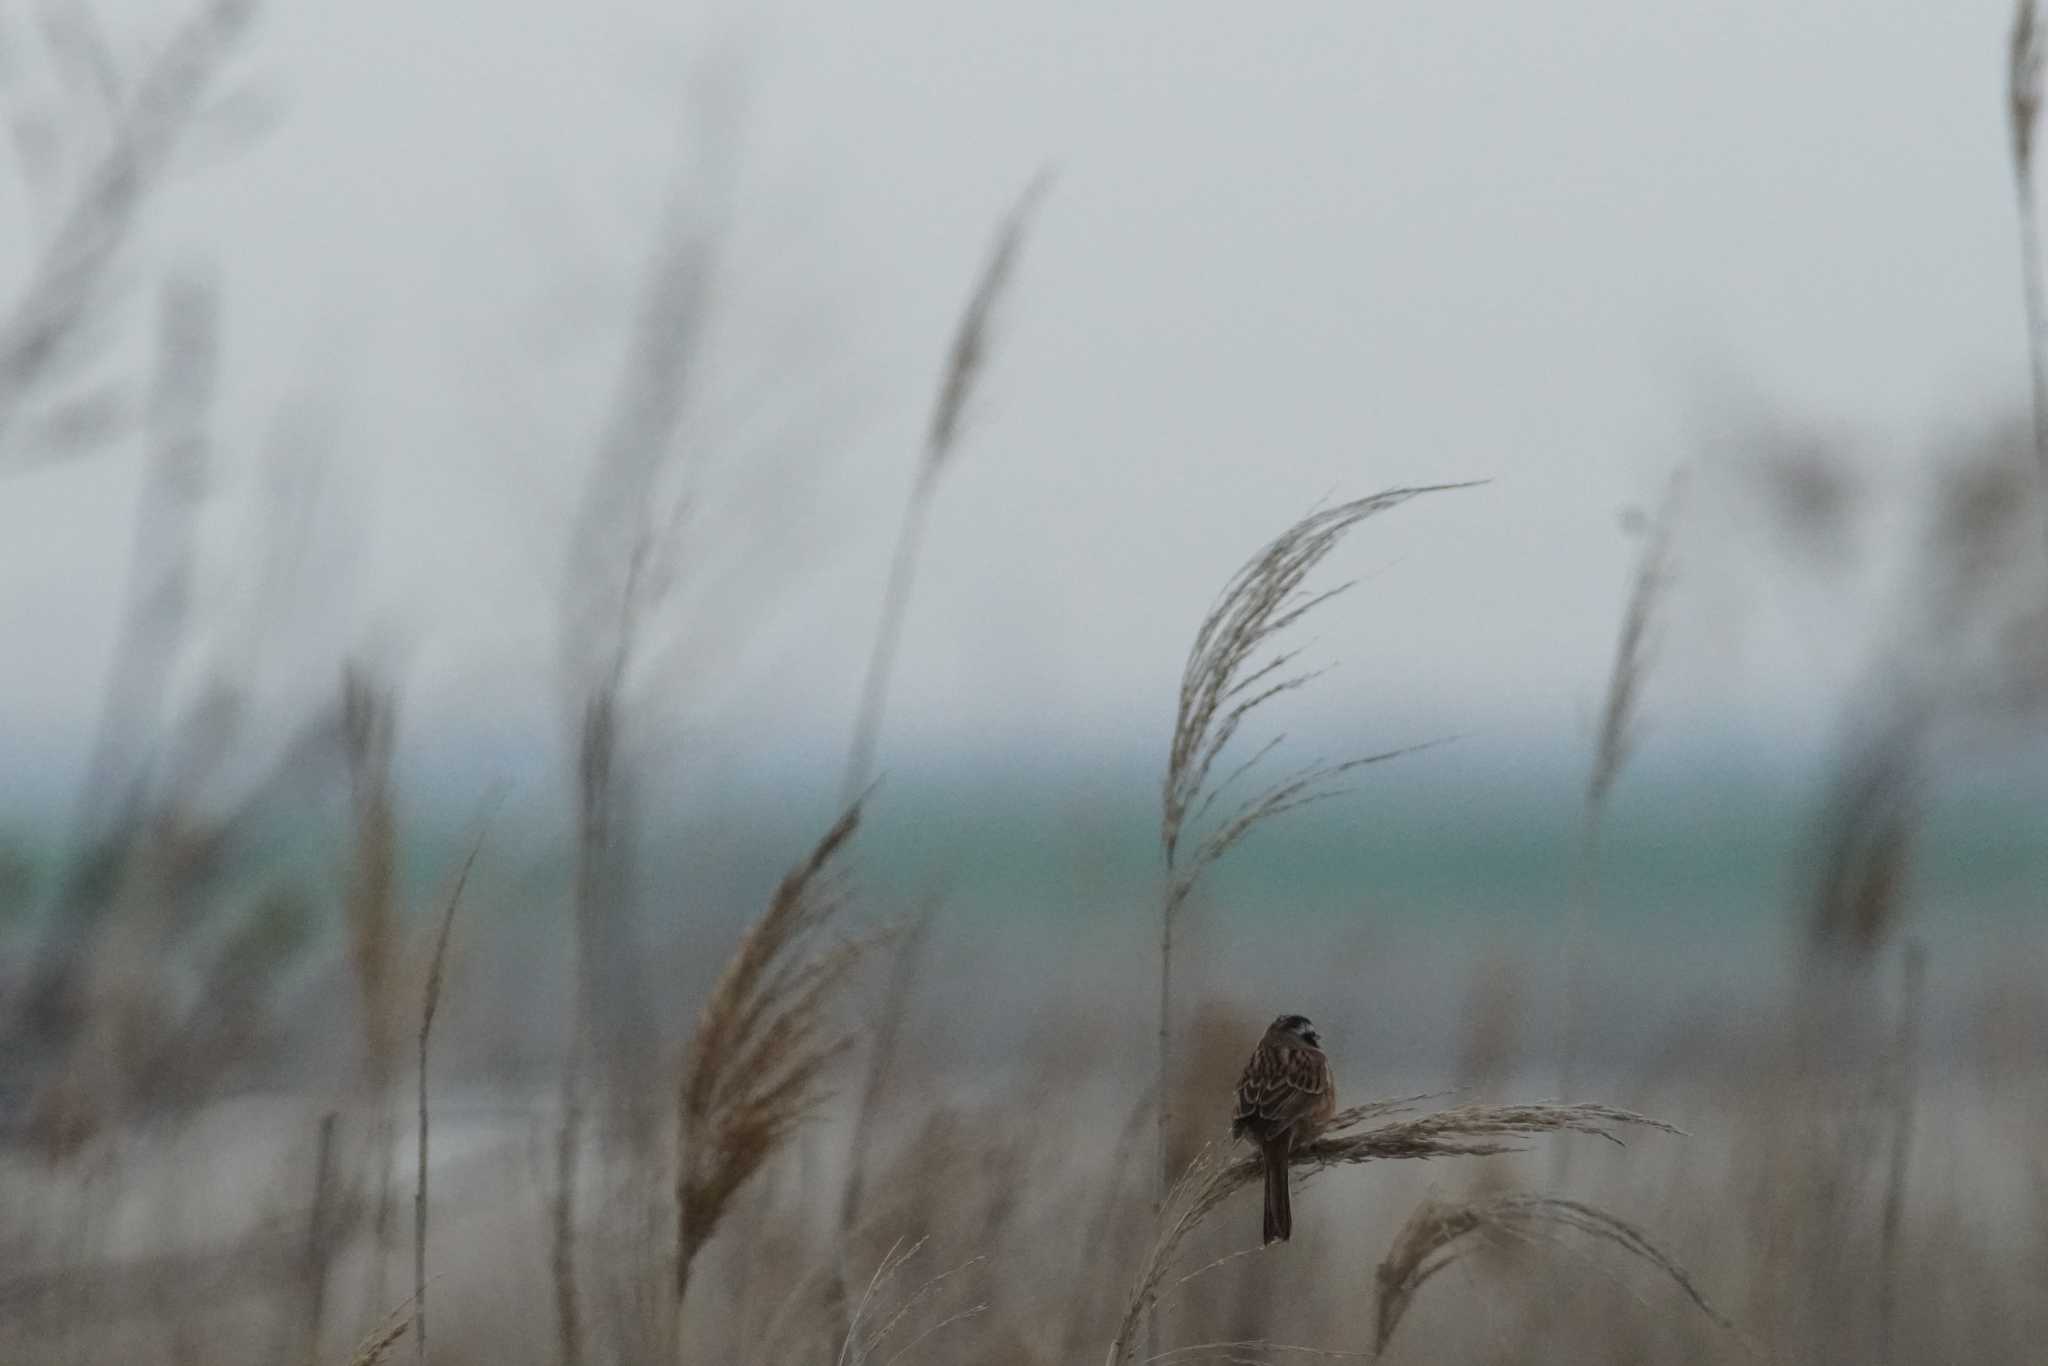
1296 1027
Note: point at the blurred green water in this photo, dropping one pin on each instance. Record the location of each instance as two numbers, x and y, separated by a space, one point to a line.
1689 853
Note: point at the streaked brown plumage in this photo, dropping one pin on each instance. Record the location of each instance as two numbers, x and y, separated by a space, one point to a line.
1284 1099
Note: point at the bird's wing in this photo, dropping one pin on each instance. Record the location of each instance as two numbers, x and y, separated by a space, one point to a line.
1279 1086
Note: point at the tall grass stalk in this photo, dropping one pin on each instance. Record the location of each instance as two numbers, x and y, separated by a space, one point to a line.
888 1033
430 1005
1905 1085
607 597
42 327
369 732
1615 743
562 1225
2023 112
966 359
316 1255
154 630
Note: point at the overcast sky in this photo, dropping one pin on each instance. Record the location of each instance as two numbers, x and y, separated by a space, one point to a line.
1292 253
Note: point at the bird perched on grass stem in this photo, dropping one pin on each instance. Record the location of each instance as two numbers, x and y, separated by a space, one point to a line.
1284 1099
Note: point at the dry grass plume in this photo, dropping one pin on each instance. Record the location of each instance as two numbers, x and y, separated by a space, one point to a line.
869 1328
1437 1234
1228 676
764 1041
1462 1131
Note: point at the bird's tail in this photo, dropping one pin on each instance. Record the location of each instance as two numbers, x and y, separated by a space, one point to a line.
1279 1211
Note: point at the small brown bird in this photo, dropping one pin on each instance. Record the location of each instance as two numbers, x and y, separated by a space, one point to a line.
1284 1099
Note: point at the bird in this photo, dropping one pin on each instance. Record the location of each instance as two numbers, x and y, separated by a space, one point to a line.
1284 1098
